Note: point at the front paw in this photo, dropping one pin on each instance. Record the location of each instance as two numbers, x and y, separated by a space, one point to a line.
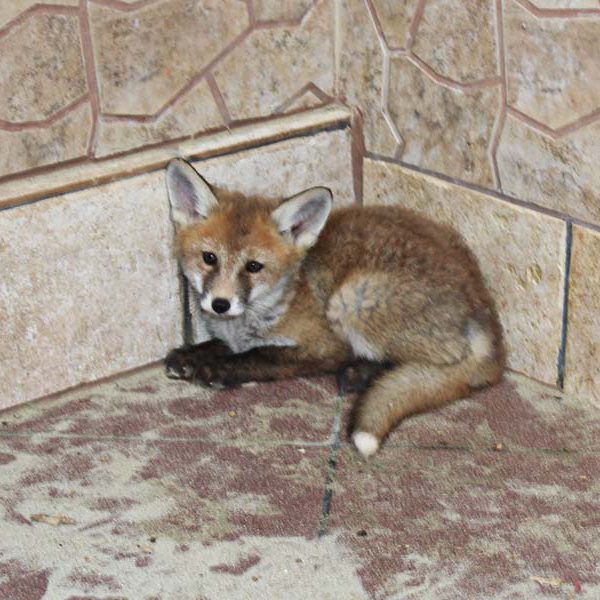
212 376
180 364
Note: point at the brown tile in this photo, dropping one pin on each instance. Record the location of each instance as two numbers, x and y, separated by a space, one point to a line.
41 68
194 112
361 75
272 64
582 376
521 252
442 36
148 405
276 10
560 174
66 139
89 286
395 19
553 65
445 130
447 524
141 63
10 9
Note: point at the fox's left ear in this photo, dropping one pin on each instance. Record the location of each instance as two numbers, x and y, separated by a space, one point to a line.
190 196
301 218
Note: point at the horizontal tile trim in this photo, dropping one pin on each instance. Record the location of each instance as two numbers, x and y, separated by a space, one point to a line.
70 178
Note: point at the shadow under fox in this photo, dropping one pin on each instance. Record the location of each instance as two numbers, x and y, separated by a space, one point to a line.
392 302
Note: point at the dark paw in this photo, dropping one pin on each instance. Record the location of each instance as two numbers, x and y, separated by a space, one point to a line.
211 376
356 377
180 364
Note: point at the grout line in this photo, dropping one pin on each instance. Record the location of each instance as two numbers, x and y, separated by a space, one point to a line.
42 124
557 13
89 62
332 462
562 353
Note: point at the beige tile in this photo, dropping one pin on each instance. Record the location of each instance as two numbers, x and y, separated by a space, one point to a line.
553 65
457 39
41 68
88 287
361 75
561 174
275 10
445 130
144 57
65 139
9 9
194 112
521 252
582 368
272 64
287 167
395 19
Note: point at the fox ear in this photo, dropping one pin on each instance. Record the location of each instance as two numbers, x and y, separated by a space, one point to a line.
190 196
301 218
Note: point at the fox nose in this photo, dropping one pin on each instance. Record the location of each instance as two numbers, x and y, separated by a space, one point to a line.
220 305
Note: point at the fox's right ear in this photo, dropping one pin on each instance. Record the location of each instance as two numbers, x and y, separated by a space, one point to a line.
190 196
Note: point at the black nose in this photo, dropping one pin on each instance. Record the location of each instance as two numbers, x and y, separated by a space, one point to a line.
220 305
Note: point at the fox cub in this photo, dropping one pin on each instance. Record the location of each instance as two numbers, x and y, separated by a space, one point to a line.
392 302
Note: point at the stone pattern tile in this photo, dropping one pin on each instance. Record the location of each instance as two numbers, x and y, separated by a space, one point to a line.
553 66
430 81
194 112
521 253
445 130
361 76
65 139
558 173
458 39
396 19
271 65
142 64
100 499
89 287
582 372
278 10
147 82
10 9
41 68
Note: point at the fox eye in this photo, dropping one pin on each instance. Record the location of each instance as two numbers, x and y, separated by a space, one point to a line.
209 258
254 266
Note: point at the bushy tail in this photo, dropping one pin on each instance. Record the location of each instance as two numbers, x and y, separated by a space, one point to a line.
417 387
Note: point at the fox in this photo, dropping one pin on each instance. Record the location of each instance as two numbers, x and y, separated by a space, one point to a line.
390 301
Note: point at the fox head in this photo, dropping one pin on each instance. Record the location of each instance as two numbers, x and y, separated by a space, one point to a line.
241 254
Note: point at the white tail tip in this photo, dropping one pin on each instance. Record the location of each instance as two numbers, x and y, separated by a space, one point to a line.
366 443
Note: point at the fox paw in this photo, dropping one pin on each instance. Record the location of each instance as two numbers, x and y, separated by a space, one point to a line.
179 364
211 376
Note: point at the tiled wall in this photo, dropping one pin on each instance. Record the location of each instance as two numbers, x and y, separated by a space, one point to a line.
484 114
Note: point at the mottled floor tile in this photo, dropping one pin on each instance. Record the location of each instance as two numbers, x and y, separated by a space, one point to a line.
146 405
439 524
154 519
